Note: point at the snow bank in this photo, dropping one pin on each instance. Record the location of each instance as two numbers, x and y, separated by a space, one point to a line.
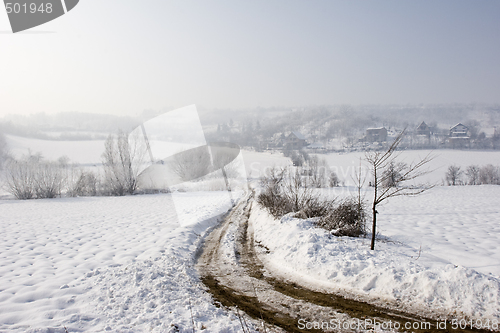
393 275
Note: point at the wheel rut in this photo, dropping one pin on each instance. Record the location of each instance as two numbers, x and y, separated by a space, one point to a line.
230 268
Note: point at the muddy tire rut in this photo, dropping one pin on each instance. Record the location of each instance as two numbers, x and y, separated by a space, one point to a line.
230 268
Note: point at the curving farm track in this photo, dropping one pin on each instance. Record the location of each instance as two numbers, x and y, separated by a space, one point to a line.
230 268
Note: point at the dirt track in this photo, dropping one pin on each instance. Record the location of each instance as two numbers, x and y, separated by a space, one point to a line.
230 268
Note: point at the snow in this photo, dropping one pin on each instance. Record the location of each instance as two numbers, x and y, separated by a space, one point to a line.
458 224
441 258
89 152
256 164
107 263
83 152
126 264
345 165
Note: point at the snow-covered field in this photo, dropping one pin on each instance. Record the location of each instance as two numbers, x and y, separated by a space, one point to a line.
440 254
89 153
122 264
345 164
126 264
83 152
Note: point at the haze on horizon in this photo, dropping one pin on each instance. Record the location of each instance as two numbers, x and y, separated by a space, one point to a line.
124 57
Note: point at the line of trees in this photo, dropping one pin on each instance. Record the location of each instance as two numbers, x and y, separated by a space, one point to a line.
3 149
473 175
33 177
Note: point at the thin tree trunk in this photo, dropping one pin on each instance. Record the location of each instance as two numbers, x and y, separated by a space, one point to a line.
374 207
374 226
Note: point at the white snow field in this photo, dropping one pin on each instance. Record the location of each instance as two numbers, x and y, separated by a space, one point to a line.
346 164
125 264
439 254
83 152
89 153
120 264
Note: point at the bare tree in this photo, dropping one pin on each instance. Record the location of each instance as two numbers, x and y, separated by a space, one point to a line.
20 178
31 177
333 179
393 173
472 174
224 159
191 164
3 149
86 184
122 159
380 164
489 174
360 180
49 179
284 191
453 175
318 172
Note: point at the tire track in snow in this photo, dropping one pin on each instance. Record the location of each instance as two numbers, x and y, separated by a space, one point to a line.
231 270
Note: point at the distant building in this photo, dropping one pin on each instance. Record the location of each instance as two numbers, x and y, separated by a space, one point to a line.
294 140
423 129
316 147
459 136
459 131
376 134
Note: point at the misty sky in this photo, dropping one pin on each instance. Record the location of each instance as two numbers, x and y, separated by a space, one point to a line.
124 56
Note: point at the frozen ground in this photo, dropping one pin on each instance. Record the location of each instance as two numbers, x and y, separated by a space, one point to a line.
83 152
125 264
441 257
95 264
346 164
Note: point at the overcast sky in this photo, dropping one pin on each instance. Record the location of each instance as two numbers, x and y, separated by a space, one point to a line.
124 56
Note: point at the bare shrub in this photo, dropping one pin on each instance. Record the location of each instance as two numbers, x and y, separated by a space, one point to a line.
301 197
453 175
346 219
472 174
298 157
489 174
20 178
87 184
318 172
393 173
275 203
477 175
284 191
30 177
122 160
223 158
333 180
191 164
48 179
3 150
272 196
